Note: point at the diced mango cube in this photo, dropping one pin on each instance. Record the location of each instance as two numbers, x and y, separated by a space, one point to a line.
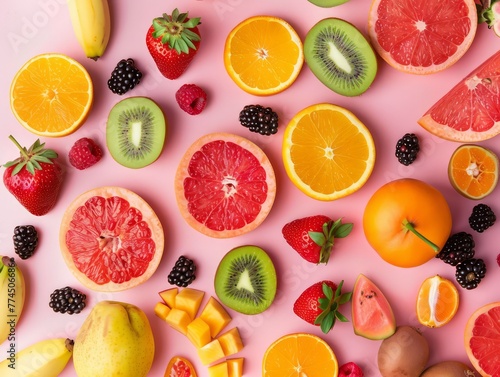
211 352
161 310
189 300
231 342
215 316
168 296
218 370
198 332
178 319
235 367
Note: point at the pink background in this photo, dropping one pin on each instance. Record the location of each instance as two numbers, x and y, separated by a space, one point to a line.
389 109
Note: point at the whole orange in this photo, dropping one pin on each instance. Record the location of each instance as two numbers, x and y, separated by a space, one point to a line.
407 221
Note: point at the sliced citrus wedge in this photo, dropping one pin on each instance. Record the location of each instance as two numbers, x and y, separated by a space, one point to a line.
51 95
473 171
437 301
263 55
327 152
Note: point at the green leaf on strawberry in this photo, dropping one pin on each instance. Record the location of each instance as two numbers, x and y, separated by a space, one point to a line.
329 305
326 238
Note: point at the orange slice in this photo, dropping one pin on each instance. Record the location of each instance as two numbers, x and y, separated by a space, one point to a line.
263 55
297 355
327 152
422 37
51 95
473 171
437 301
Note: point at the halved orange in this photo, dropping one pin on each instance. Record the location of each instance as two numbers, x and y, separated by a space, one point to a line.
327 152
473 171
263 55
422 37
51 95
297 355
482 339
437 301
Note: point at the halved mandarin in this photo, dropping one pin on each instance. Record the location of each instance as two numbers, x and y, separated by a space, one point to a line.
328 152
299 355
437 301
263 55
51 95
473 171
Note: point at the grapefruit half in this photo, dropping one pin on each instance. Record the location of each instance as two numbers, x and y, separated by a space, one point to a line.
111 239
225 185
422 37
470 111
482 339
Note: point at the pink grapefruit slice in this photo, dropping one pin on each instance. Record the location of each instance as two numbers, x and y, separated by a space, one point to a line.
225 185
111 239
482 339
470 111
422 37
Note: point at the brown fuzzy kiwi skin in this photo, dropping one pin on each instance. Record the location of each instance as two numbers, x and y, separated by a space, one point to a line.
449 368
403 354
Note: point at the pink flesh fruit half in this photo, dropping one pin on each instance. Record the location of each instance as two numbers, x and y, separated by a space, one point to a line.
485 340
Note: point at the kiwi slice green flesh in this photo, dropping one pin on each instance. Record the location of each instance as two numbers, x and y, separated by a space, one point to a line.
245 280
135 132
328 3
340 56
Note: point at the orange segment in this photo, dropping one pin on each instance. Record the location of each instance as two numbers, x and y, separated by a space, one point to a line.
437 301
51 95
297 355
473 171
327 152
263 55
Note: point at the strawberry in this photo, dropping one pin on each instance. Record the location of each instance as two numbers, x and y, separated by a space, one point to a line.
173 41
34 178
318 304
313 237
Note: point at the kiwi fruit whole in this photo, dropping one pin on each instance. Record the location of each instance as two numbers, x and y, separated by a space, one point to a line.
340 56
328 3
403 354
448 369
135 132
245 280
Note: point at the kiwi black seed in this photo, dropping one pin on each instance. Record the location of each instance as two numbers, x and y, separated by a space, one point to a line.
340 56
135 132
245 280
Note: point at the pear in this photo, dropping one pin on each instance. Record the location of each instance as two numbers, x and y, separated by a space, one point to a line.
115 340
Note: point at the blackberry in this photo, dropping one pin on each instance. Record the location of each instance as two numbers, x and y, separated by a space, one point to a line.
481 218
470 272
183 272
257 118
25 240
67 300
407 149
458 247
124 77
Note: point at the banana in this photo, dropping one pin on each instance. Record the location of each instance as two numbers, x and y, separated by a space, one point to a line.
92 26
12 295
46 358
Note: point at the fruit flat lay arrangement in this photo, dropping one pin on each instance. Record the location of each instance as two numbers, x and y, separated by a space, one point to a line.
267 188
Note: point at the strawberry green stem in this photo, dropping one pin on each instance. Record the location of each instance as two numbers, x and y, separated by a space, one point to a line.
409 226
23 151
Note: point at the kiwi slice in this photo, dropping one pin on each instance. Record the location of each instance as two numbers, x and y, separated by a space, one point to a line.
340 56
328 3
135 132
245 280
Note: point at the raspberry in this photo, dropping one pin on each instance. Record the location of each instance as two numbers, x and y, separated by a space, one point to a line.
350 369
498 260
84 153
191 98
